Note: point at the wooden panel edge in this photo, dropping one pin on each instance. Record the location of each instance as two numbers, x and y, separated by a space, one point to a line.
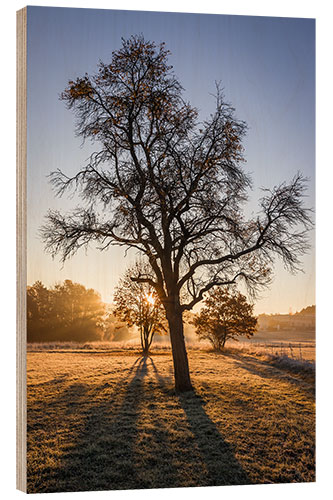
21 248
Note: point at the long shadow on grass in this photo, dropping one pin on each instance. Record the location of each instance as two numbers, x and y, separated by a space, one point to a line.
218 459
268 371
126 436
102 456
100 444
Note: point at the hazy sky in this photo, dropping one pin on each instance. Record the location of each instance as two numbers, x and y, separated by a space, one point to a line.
267 69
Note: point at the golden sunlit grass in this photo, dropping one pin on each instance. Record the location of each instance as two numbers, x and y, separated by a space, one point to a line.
111 420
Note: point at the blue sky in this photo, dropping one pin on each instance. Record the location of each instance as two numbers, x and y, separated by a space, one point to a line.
267 69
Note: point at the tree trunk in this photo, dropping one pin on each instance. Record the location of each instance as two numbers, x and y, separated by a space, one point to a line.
145 342
179 354
145 350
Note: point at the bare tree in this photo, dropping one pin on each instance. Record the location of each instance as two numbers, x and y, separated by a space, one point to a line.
170 187
138 304
226 315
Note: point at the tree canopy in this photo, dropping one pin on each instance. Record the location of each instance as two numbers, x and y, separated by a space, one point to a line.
226 315
66 312
171 187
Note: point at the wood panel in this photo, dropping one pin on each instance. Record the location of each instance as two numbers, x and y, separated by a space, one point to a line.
21 248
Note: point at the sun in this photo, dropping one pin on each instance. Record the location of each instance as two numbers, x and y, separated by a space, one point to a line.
149 298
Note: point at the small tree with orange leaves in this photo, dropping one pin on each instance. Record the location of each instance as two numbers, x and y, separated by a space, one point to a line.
226 315
138 304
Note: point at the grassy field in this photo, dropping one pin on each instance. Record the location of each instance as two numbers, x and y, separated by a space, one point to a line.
302 351
109 419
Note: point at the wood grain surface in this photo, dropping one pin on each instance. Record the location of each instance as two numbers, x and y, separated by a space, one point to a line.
21 247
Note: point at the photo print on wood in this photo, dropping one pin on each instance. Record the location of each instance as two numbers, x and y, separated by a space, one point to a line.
166 302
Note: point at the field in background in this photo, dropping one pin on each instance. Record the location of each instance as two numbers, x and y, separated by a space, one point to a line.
106 418
299 346
298 351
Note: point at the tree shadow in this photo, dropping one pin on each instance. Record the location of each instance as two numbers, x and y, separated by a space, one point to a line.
217 455
101 444
135 434
99 457
268 371
166 383
222 466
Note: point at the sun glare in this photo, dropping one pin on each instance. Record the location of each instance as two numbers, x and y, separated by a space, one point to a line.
149 298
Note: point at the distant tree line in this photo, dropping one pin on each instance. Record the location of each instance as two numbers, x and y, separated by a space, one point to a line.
65 312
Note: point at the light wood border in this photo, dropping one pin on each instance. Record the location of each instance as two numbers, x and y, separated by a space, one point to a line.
21 248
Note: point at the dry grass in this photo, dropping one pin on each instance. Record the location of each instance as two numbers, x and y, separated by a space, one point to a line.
300 355
100 420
